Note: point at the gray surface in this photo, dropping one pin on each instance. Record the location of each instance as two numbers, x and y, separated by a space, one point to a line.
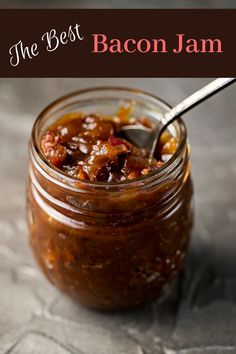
118 3
199 315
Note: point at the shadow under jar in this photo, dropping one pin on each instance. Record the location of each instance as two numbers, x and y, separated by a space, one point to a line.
110 245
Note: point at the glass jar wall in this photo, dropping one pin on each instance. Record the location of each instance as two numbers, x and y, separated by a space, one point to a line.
110 245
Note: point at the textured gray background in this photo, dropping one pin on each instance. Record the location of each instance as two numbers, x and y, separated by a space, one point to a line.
199 315
119 3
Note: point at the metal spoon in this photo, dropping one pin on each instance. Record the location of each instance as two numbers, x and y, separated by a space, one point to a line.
149 138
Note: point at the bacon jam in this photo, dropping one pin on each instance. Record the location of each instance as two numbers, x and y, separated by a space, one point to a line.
106 243
91 147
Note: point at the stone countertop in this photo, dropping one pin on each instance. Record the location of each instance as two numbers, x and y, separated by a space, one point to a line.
199 316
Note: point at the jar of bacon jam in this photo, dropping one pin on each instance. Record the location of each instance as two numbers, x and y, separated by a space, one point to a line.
108 225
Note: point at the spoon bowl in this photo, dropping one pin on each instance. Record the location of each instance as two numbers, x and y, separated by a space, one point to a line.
148 138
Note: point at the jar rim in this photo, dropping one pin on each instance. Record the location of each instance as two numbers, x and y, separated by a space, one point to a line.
68 181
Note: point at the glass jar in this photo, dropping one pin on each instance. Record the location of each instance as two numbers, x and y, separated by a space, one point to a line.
110 246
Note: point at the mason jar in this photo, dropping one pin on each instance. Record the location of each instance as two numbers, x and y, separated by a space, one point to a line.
109 245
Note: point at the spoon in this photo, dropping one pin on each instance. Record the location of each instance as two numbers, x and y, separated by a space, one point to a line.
149 138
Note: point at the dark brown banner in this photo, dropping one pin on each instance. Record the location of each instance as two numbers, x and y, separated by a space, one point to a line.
117 43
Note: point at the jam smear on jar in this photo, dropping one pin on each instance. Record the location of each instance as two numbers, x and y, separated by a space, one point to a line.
91 147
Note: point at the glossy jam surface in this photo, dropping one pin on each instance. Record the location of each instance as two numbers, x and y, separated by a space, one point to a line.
91 147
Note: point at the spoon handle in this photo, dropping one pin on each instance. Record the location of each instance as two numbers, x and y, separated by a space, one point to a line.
197 97
187 104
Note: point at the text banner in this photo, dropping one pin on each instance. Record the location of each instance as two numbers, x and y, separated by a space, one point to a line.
117 43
